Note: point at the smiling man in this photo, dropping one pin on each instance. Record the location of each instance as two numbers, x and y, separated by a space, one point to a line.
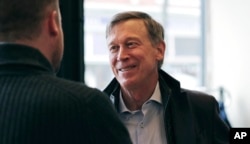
151 103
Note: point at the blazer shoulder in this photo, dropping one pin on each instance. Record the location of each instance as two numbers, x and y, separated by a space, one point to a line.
200 101
198 96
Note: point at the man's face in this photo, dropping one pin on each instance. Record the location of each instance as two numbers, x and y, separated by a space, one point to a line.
132 57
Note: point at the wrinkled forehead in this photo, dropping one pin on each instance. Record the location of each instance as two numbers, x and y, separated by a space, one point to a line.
113 24
128 28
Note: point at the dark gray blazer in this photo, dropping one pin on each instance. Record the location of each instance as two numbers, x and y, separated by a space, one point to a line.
36 107
191 117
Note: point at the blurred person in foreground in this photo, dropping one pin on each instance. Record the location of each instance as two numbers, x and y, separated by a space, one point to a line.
36 107
151 103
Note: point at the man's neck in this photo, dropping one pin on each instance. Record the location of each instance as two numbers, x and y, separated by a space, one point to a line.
134 99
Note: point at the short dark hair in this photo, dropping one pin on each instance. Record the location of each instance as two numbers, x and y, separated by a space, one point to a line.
154 28
20 19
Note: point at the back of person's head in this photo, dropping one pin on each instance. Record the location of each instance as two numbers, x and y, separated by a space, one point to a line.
21 19
154 28
34 23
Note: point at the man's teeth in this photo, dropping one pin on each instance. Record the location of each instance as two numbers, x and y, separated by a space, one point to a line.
125 69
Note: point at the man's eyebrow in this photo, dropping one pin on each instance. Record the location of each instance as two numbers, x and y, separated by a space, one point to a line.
132 38
109 42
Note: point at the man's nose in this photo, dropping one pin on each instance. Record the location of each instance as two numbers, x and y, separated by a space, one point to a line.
122 54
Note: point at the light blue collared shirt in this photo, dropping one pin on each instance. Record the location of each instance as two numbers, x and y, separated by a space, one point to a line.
145 126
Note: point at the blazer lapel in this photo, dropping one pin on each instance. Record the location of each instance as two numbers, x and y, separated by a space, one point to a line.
182 120
179 122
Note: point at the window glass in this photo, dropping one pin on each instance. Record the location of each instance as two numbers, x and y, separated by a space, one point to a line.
181 20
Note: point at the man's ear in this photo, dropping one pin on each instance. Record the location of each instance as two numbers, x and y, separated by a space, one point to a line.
161 50
53 24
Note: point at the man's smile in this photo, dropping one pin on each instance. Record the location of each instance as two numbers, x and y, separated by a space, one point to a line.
126 68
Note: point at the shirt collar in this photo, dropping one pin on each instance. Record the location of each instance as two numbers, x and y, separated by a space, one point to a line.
156 96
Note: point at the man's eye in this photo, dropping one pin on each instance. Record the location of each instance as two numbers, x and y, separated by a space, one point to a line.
131 44
113 48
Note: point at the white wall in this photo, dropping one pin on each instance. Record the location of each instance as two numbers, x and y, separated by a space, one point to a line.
228 60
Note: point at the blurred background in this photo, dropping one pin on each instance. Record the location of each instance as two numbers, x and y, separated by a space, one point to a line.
208 46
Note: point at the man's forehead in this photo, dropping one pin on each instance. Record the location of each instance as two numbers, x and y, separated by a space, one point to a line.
132 25
129 29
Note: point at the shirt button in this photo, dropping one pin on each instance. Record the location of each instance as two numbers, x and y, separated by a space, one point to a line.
128 117
141 125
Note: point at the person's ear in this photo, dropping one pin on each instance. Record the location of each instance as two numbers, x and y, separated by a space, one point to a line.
161 50
53 24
